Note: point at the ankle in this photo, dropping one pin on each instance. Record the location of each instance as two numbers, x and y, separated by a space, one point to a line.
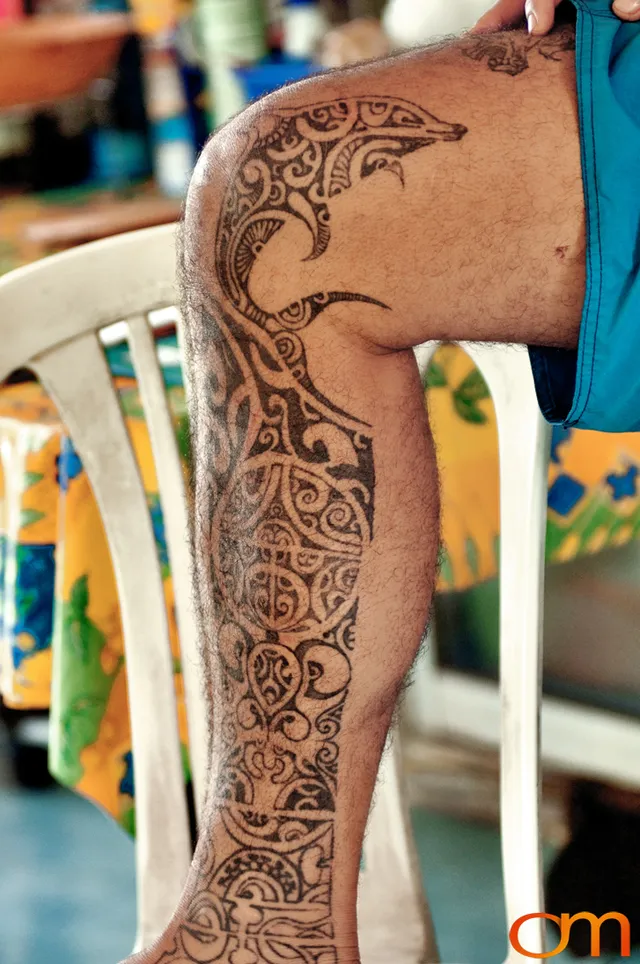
194 942
258 907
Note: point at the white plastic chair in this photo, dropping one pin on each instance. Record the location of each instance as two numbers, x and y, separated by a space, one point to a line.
51 314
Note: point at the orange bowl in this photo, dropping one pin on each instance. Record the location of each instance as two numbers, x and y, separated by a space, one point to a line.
46 58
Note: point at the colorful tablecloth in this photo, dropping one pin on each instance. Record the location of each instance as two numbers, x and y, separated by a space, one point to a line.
56 578
593 479
60 630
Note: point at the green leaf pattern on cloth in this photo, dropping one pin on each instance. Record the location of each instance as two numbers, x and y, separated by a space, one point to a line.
445 567
32 478
29 516
85 678
471 552
435 376
470 391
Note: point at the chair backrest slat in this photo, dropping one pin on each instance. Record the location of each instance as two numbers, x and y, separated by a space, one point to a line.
172 490
77 376
86 288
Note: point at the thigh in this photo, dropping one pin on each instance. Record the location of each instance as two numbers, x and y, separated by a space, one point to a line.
444 184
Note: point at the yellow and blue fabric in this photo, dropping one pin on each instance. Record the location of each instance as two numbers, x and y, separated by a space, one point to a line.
90 747
594 486
29 451
597 386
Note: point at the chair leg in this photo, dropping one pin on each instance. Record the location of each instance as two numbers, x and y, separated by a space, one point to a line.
394 922
524 441
523 519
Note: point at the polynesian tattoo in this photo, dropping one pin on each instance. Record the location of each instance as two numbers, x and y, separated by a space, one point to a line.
509 52
284 484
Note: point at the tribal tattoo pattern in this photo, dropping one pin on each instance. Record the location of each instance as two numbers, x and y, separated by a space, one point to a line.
509 52
284 485
298 162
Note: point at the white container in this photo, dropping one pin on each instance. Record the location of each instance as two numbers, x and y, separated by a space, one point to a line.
304 25
410 22
233 32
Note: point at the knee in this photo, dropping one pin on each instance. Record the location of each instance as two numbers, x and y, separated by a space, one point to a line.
271 227
202 213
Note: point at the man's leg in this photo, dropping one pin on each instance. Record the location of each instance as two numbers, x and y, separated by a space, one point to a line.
328 229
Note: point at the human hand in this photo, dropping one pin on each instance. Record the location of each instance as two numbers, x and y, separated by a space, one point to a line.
540 14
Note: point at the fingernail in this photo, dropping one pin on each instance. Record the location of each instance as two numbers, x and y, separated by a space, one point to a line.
627 8
532 22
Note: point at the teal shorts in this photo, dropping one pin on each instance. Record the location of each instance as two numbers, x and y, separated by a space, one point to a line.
598 386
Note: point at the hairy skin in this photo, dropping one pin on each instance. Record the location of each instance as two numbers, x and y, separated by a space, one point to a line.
290 495
288 483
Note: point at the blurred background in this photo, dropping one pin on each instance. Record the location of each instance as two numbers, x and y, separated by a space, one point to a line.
104 105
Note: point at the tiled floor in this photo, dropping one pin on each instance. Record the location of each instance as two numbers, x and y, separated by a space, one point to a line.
461 867
67 887
66 882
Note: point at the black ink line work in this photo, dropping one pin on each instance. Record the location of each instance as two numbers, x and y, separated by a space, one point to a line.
284 485
509 52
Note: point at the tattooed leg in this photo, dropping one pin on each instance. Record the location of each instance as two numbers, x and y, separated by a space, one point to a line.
328 229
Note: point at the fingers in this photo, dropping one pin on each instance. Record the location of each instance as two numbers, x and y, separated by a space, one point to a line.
627 9
540 15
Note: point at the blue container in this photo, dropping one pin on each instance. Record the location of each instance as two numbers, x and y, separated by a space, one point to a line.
273 72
